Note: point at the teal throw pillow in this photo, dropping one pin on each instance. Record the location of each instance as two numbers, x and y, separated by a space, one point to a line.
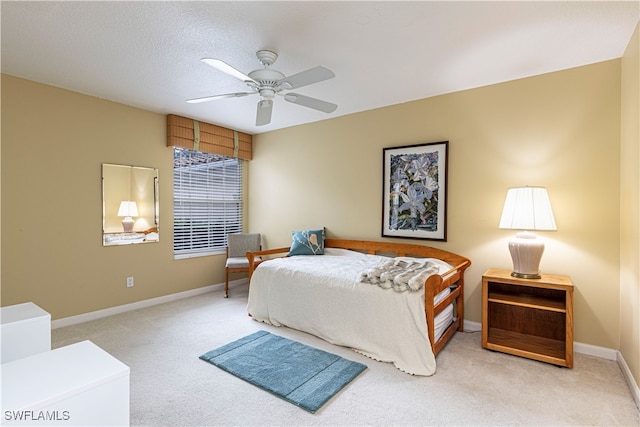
307 242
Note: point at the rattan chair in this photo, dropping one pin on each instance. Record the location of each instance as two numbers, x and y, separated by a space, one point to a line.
238 245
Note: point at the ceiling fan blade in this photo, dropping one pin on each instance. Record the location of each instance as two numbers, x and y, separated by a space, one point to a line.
304 78
228 69
263 115
306 101
214 97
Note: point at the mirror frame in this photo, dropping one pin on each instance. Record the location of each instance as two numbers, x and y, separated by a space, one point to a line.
130 183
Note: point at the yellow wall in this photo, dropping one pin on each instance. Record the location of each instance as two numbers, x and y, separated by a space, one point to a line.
560 130
53 145
630 207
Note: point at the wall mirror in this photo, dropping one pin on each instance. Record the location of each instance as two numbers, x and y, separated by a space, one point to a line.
129 205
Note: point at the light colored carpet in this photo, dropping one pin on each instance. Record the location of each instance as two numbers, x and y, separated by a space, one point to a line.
171 386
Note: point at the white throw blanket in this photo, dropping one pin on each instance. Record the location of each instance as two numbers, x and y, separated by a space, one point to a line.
400 274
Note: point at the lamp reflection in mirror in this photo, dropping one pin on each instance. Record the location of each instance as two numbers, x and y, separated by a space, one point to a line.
127 210
527 209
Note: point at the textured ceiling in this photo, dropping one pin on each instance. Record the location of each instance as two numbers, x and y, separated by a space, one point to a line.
147 54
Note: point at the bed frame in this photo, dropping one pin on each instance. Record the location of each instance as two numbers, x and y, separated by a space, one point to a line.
453 278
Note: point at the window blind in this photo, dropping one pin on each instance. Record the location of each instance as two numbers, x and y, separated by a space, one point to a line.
207 202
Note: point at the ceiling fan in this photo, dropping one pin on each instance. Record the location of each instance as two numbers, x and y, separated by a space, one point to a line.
268 83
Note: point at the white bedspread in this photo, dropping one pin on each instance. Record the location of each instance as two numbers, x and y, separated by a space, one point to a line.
321 295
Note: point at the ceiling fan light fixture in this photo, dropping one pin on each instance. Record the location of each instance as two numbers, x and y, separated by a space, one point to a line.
267 93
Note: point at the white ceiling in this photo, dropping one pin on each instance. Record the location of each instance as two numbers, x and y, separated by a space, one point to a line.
147 54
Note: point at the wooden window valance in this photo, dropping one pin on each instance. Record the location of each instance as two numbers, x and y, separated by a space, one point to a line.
194 135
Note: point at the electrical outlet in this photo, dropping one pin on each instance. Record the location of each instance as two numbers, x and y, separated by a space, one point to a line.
129 282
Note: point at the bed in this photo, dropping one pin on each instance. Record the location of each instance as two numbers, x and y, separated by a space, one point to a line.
329 296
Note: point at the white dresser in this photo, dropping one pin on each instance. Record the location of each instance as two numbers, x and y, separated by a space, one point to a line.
76 385
25 330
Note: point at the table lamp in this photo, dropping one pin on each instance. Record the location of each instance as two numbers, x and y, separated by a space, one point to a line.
127 210
527 209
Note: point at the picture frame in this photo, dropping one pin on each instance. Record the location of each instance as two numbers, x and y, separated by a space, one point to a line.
414 191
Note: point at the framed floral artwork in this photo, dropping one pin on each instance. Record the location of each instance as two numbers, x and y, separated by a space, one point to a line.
415 191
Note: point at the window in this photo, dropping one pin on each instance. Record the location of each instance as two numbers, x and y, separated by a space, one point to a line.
207 202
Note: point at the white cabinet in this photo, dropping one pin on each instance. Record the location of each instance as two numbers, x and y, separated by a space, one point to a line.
25 330
76 385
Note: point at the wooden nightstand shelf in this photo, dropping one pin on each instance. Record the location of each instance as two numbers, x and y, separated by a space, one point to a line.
531 318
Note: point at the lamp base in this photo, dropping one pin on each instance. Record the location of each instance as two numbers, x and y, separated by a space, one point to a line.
526 252
127 224
525 276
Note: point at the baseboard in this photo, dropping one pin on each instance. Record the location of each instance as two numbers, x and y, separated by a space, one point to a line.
470 326
633 385
594 350
86 317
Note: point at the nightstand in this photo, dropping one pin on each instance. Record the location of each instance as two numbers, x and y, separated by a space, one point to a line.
531 318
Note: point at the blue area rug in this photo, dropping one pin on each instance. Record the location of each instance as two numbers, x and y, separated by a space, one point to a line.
302 375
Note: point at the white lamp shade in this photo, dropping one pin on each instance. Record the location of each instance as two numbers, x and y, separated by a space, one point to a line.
527 208
128 208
